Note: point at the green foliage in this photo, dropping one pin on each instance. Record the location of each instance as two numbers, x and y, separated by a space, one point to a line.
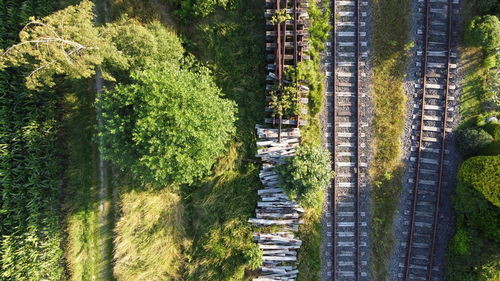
471 140
481 173
306 173
150 236
201 8
484 32
141 46
488 7
391 49
66 42
31 230
460 243
474 251
169 126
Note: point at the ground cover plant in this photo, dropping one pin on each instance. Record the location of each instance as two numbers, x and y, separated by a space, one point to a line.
390 47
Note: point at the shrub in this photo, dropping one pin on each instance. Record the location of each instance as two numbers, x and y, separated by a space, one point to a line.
471 140
481 173
484 32
305 174
460 243
169 126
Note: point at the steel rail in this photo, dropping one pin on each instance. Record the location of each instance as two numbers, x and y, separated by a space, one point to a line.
419 149
334 138
443 140
358 134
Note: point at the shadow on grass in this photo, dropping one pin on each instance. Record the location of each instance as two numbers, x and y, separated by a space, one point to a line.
87 258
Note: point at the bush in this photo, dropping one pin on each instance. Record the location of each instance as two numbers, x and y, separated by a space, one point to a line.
305 174
169 126
471 140
481 173
460 243
484 32
476 204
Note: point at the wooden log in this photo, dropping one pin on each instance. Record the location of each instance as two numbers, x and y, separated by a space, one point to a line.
267 222
270 247
269 190
278 258
277 216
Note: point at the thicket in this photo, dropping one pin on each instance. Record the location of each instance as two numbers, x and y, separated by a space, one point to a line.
474 252
310 73
305 176
168 126
189 9
30 222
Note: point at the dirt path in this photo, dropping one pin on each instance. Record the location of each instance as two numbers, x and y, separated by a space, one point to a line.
104 208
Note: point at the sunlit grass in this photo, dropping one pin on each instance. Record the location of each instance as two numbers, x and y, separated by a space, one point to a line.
390 35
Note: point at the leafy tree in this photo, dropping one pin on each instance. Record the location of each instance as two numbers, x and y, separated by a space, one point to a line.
471 140
476 203
65 42
305 174
484 32
168 126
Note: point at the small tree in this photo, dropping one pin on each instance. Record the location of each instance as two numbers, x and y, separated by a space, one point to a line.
484 32
306 174
169 126
471 140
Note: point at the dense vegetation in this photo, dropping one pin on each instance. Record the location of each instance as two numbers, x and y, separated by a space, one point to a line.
30 230
168 126
473 252
390 46
305 176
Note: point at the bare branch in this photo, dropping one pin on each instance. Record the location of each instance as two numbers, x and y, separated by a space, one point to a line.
51 63
44 40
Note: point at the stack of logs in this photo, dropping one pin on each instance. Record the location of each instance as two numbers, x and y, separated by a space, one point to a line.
275 208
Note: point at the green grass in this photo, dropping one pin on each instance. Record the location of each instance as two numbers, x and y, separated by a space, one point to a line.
390 36
472 84
87 259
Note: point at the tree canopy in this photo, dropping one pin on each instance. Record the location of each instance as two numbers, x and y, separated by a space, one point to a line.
169 125
484 32
308 172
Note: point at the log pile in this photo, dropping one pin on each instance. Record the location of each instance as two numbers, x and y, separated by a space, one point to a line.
275 208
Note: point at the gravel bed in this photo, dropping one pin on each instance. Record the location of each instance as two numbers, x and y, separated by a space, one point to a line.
445 229
367 113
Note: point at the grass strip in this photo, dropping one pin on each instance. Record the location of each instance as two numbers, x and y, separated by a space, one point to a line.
390 46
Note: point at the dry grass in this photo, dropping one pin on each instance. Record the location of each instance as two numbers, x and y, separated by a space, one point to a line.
150 236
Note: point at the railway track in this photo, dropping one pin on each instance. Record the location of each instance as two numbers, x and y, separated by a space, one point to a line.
286 45
346 59
430 126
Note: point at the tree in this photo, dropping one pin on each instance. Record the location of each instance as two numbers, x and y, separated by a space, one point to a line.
169 126
471 140
484 32
306 174
65 42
